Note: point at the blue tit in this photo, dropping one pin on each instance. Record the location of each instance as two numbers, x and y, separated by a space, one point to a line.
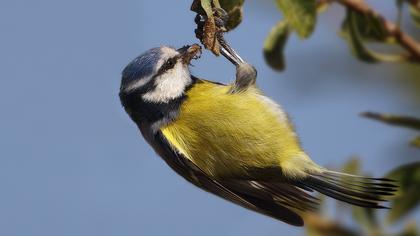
232 140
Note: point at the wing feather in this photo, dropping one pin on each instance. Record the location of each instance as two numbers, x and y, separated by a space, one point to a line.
280 201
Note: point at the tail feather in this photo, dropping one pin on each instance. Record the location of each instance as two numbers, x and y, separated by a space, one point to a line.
353 189
373 188
361 179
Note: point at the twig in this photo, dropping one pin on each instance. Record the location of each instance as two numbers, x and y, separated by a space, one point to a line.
404 121
403 39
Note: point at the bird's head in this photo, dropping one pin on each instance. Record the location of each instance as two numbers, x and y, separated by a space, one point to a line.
159 75
153 85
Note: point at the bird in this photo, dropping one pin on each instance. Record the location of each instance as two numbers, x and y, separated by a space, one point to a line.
232 140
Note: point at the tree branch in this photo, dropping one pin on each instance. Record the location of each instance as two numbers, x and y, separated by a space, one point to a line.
403 39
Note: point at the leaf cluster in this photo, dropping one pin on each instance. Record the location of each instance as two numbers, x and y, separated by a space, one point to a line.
212 25
361 26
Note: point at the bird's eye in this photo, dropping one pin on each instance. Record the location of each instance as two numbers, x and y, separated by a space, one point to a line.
169 64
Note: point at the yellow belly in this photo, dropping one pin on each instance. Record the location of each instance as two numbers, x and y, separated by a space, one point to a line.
232 135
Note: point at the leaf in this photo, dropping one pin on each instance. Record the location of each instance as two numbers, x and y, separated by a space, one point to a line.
322 6
232 7
409 230
354 29
208 31
301 14
208 36
408 194
317 225
352 166
235 12
403 121
365 216
202 6
369 27
415 14
274 45
355 40
228 5
416 142
196 7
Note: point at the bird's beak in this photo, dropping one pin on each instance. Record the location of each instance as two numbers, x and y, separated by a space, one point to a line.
187 53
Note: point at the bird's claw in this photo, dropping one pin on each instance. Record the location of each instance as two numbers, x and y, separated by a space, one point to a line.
245 73
221 18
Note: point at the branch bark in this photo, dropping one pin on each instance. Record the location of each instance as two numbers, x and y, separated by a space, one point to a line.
404 40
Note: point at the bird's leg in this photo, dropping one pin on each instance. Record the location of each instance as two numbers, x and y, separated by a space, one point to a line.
246 74
228 52
221 18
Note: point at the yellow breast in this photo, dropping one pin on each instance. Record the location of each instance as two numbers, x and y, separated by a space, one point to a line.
232 135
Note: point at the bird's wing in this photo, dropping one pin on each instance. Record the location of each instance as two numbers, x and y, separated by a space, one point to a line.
278 200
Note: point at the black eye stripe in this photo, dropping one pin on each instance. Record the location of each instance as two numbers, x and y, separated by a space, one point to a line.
169 64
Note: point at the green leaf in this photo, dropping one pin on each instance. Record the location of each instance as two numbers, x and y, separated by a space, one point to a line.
408 194
370 27
409 230
301 14
235 12
274 45
228 5
352 166
322 6
232 7
356 27
317 225
206 5
403 121
365 216
415 14
416 142
354 38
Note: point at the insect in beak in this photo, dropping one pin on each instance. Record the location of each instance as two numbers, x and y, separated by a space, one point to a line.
187 53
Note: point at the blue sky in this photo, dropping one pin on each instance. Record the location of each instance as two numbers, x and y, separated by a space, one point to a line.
71 161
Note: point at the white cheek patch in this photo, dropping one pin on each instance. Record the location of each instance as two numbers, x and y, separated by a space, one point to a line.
169 85
168 53
138 84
